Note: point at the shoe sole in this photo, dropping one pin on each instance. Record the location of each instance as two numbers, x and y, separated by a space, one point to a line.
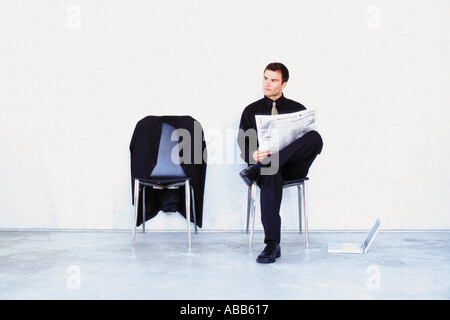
247 181
269 261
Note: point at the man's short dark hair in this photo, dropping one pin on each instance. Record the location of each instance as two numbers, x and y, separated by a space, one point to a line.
278 66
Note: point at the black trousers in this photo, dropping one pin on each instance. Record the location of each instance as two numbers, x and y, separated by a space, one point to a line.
294 162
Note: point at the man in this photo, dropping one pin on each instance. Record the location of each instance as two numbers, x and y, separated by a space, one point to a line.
293 161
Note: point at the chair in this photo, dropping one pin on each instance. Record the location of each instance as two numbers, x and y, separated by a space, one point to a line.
165 175
301 185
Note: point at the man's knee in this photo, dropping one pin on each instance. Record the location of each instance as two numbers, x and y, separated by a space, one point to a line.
316 139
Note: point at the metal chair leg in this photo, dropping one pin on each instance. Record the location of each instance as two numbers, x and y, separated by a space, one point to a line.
249 204
305 211
136 204
143 209
193 209
253 209
188 210
300 206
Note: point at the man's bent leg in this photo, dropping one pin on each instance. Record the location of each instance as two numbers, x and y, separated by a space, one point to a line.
309 145
303 149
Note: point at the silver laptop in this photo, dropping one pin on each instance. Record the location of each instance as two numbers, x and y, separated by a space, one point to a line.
353 247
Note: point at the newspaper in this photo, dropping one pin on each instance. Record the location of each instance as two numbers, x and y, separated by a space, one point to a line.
277 131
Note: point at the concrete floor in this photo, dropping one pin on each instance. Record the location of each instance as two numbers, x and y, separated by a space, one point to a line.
102 265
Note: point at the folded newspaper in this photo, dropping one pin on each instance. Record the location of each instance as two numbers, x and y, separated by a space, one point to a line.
277 131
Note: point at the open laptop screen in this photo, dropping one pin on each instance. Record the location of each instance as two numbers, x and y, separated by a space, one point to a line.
372 234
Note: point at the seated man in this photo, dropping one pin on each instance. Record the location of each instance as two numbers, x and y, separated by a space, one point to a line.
293 161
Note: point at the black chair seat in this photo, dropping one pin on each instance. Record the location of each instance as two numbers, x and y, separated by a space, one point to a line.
288 183
164 181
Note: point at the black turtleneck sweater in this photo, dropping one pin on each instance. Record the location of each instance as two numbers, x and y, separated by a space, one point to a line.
261 107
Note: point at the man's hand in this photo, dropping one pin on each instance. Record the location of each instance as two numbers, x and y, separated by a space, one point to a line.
258 156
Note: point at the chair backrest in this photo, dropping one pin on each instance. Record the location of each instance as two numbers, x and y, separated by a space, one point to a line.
165 167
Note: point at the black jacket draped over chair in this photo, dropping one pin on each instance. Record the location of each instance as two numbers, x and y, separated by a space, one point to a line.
144 148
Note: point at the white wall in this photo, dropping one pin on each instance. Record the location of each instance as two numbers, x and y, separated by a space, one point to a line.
77 75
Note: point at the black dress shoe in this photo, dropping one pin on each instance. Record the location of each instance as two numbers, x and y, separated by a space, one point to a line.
251 174
270 253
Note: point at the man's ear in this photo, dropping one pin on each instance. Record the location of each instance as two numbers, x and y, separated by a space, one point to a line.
283 85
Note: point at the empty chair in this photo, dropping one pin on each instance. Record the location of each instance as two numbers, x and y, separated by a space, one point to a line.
158 184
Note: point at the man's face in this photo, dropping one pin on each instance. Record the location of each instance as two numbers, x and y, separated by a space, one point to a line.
273 84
